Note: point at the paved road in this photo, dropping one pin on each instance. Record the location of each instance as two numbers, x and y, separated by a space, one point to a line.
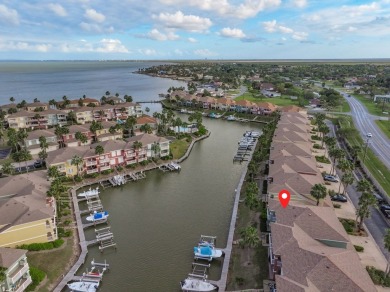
365 123
376 224
243 89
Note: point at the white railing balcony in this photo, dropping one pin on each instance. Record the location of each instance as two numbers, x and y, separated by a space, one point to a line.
89 171
24 285
141 152
92 162
105 160
131 154
19 273
128 162
142 159
105 167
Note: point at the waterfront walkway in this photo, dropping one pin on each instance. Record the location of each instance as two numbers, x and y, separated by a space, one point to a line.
221 283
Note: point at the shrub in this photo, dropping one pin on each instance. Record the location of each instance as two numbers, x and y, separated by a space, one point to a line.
42 246
92 175
317 146
78 178
348 225
105 172
359 248
328 183
64 233
67 222
37 276
65 212
322 159
315 137
119 168
337 206
143 163
240 281
331 193
378 277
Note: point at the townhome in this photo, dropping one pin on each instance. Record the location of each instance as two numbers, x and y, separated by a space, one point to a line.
62 160
36 120
7 107
69 140
27 215
36 106
264 108
225 104
108 132
113 156
115 112
55 117
309 250
145 120
114 99
17 270
32 142
84 114
149 143
206 101
243 106
82 102
20 119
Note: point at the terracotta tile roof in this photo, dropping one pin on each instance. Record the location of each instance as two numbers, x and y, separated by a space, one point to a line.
111 145
22 113
244 102
36 104
78 128
289 136
290 108
305 238
146 120
8 256
108 124
267 105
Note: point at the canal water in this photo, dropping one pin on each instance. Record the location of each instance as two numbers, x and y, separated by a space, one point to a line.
157 221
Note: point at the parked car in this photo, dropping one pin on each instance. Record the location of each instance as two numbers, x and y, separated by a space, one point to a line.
385 211
331 178
378 198
38 164
339 198
385 207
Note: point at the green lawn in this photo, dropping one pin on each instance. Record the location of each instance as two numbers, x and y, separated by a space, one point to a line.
280 101
370 105
385 127
53 262
343 108
179 148
372 162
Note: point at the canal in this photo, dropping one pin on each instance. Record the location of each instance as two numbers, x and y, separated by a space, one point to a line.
157 221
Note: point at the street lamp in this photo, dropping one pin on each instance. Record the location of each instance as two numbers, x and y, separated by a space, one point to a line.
365 148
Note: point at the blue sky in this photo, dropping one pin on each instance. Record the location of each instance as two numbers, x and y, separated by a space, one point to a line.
194 29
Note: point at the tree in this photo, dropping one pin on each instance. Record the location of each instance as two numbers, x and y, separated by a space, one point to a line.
72 117
12 99
94 127
250 236
130 123
117 94
355 150
366 200
81 137
60 131
77 160
251 200
137 145
147 109
128 98
42 155
146 128
337 154
53 172
38 117
107 93
80 102
99 150
8 168
364 186
386 240
323 129
101 114
318 191
12 135
347 180
156 149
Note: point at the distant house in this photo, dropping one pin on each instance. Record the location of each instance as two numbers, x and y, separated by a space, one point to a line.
69 140
84 114
145 120
264 108
115 99
27 214
84 102
36 105
32 141
17 270
37 120
108 133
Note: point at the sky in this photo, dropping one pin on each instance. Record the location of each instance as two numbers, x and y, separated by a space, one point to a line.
193 29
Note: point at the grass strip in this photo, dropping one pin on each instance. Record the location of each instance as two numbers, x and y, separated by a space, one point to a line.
384 126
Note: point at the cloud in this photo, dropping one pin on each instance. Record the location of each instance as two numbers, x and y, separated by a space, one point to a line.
249 8
192 40
232 33
299 3
93 15
8 15
147 52
24 46
57 9
273 26
97 28
186 22
155 34
111 46
178 52
204 53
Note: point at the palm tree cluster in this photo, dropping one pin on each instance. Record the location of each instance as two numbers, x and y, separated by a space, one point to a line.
251 196
165 120
366 200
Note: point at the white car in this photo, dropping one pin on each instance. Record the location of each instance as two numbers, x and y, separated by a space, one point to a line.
369 135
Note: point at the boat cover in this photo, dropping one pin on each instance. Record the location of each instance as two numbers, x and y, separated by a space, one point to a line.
203 250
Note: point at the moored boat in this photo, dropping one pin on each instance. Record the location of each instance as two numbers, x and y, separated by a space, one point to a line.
97 216
231 118
89 193
207 252
83 286
194 284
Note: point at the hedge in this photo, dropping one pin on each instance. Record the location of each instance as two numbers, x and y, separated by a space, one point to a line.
378 277
359 248
42 246
37 277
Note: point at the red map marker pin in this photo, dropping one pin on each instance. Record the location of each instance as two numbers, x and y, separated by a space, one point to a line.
284 198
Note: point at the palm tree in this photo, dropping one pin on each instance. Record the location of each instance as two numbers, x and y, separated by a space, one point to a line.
364 186
147 109
53 172
386 240
156 149
128 98
12 135
99 150
250 236
24 155
251 200
345 166
8 168
318 191
81 137
355 150
107 93
366 200
101 114
146 128
336 154
60 131
21 135
130 123
12 99
323 129
347 180
72 117
77 160
95 126
137 145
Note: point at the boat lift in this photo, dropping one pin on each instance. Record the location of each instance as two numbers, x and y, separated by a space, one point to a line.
199 271
207 240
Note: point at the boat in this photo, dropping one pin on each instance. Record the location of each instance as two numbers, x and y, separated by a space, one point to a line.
231 118
207 252
195 284
175 166
97 216
89 193
83 286
183 111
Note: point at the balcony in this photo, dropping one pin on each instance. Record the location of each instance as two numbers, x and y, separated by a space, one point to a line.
93 170
23 285
105 160
18 273
140 159
105 167
91 162
130 155
128 162
141 152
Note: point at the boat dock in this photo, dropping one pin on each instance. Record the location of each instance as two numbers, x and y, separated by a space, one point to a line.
170 167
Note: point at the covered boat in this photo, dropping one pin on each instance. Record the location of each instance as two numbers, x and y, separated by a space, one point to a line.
84 286
194 284
207 252
96 216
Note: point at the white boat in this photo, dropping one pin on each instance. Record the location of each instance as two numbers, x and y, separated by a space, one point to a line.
207 252
183 111
231 118
97 216
194 284
89 193
175 166
83 286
